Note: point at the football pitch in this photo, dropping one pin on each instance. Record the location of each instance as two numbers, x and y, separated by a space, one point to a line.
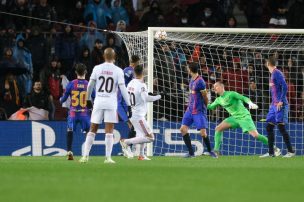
234 178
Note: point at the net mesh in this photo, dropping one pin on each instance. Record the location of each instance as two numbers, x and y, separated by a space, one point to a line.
236 59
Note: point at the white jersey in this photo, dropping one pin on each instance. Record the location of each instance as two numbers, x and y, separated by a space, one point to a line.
139 97
107 76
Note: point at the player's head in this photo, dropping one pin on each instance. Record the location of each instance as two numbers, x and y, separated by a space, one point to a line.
109 55
134 61
80 69
138 71
219 88
271 62
193 68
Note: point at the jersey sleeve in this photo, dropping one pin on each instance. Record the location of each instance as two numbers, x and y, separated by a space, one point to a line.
238 96
93 75
121 79
201 86
66 93
213 105
283 85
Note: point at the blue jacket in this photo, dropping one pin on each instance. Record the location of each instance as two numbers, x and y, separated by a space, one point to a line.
100 12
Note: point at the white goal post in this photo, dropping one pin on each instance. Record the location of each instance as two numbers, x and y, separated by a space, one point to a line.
211 45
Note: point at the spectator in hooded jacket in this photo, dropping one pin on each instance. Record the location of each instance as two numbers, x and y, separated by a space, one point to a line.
98 11
118 12
88 39
44 11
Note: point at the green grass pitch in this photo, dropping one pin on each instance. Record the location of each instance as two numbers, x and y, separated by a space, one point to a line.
227 179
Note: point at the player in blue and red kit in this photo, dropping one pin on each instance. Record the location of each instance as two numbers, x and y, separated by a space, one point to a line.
278 111
122 108
196 111
78 112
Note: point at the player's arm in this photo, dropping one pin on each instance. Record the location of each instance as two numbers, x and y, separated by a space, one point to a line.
244 99
90 89
213 105
66 94
148 97
283 84
205 96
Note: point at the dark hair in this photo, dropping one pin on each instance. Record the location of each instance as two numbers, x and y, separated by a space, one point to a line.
193 67
271 60
138 70
134 59
81 69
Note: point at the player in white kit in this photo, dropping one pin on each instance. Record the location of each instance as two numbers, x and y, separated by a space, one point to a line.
105 78
139 97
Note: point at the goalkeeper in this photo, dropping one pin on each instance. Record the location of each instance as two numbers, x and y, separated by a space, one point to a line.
239 115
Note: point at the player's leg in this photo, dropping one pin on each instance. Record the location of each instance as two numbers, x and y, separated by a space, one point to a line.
96 119
282 118
219 129
144 134
270 119
110 118
142 156
71 127
186 122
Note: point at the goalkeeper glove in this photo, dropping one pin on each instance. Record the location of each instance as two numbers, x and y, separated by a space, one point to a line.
252 105
129 112
89 104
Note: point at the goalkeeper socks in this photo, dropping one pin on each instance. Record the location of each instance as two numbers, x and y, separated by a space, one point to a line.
218 140
109 140
187 141
285 137
88 143
263 139
207 143
270 134
69 140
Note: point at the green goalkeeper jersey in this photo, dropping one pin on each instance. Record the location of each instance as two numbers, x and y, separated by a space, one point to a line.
233 103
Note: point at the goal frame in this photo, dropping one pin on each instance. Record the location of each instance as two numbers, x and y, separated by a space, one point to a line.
152 30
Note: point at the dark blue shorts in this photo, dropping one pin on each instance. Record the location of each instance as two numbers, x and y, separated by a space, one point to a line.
199 120
83 120
275 116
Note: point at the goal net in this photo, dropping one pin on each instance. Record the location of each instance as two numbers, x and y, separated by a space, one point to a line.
234 56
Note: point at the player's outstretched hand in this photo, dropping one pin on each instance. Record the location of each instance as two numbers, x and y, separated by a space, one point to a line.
252 105
129 112
89 104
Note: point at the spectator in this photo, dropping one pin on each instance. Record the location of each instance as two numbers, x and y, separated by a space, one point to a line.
119 13
75 14
207 18
149 18
38 98
231 22
9 94
20 7
120 27
38 46
97 53
86 59
44 11
121 56
23 57
296 15
279 18
88 39
98 11
66 49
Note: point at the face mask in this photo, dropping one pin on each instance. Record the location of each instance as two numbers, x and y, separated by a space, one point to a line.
184 20
207 14
212 78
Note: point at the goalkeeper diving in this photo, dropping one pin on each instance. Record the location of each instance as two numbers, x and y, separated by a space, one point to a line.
239 117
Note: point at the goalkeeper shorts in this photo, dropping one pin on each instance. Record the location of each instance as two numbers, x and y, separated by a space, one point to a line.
246 123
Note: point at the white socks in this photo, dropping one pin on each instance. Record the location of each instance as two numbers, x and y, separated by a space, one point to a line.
142 149
109 139
137 140
88 143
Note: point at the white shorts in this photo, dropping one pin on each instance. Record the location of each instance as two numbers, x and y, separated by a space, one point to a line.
141 127
106 115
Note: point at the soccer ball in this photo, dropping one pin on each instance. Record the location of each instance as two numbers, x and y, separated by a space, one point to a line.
160 35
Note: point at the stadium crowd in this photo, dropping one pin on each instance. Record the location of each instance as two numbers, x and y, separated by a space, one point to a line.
37 57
